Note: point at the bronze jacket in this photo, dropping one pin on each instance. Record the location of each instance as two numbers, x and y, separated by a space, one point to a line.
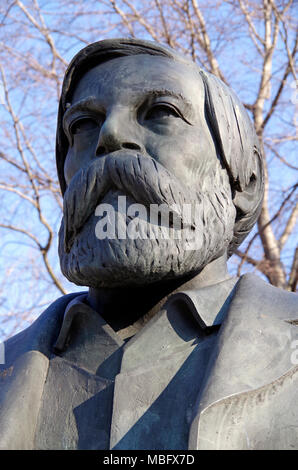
248 391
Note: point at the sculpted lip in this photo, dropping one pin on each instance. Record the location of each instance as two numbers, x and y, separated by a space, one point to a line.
138 176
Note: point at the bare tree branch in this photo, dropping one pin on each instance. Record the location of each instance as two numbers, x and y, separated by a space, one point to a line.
282 159
289 226
252 30
288 69
293 278
205 42
123 16
142 21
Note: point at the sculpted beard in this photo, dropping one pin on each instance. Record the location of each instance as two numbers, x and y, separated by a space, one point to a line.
89 261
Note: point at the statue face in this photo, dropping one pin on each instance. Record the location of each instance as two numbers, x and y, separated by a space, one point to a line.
136 127
152 105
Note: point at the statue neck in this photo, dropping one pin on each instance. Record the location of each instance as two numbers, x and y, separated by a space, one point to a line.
130 308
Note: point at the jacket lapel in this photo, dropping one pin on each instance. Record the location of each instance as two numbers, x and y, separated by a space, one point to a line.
23 376
252 351
20 398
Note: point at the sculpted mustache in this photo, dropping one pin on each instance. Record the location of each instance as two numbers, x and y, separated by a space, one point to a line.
144 179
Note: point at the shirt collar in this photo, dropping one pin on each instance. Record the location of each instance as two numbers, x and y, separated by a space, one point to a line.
208 306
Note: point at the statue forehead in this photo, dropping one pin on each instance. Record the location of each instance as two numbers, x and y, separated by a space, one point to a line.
141 73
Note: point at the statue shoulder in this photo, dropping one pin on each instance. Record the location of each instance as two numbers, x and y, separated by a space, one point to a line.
281 303
41 334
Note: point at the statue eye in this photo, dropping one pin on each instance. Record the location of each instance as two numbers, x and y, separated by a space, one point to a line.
160 111
83 125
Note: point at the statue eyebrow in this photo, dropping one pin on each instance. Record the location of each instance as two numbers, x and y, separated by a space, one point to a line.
91 103
188 108
94 105
165 92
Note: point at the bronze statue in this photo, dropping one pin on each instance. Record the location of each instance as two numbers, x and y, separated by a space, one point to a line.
166 350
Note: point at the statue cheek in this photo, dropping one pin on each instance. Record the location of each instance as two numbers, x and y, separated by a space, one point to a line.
80 154
86 142
69 165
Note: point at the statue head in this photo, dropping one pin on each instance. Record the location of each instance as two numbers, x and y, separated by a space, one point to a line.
142 125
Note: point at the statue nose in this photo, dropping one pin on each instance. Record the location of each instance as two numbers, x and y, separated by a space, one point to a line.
117 132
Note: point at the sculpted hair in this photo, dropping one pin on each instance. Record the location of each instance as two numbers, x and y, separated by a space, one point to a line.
232 131
238 148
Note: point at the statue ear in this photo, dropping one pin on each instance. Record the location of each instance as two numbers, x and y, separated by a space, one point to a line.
248 202
244 200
